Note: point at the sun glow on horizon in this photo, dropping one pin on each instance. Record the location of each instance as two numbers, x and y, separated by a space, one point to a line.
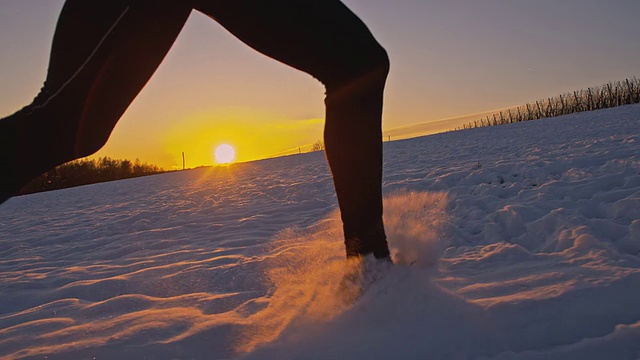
253 134
225 154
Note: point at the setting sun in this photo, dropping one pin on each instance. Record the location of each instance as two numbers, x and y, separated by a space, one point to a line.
225 154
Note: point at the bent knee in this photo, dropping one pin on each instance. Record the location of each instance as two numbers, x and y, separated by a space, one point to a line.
88 145
371 63
86 150
380 64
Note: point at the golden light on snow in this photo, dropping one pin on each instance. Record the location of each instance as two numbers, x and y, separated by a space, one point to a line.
225 154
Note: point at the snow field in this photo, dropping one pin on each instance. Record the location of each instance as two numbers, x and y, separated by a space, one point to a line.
524 241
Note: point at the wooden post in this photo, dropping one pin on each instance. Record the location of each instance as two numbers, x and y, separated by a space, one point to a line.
183 163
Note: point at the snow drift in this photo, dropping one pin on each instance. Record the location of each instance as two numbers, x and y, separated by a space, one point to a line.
523 240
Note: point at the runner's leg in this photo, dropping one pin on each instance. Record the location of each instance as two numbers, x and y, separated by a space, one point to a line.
103 53
325 39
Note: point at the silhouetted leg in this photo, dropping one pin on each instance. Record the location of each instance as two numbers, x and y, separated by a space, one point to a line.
326 40
103 53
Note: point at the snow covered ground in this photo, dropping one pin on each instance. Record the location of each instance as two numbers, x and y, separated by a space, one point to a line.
525 241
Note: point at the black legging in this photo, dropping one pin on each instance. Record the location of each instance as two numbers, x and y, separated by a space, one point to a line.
104 52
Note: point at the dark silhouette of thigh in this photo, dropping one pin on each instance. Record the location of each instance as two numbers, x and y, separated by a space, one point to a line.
103 54
320 37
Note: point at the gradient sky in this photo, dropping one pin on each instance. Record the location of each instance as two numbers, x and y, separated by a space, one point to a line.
450 58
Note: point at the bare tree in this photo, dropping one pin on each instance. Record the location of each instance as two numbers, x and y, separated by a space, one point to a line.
593 98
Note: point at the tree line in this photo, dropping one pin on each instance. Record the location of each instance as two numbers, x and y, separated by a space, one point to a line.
89 171
598 97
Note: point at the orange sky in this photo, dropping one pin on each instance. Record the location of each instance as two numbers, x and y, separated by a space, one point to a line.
449 59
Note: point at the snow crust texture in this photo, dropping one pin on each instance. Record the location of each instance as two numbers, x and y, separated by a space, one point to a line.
512 242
